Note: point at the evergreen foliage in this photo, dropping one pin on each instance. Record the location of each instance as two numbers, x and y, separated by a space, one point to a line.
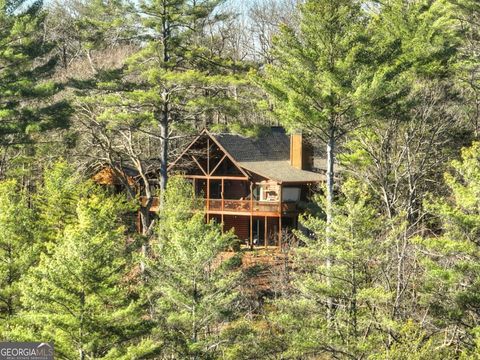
195 289
79 295
318 67
27 105
18 252
175 81
452 278
360 322
384 266
57 200
318 71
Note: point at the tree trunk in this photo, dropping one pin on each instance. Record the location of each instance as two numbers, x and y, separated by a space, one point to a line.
164 121
81 351
330 176
164 149
329 207
145 224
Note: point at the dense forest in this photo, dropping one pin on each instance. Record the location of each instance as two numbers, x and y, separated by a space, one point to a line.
388 263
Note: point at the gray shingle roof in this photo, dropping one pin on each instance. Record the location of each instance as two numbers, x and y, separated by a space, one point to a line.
274 145
281 171
267 155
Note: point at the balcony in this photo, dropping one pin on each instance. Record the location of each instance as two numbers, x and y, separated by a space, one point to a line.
235 206
247 206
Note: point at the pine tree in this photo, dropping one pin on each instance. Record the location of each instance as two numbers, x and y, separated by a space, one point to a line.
30 104
196 289
452 279
317 71
175 80
402 152
350 63
79 295
56 200
27 105
468 66
104 25
358 324
18 252
316 74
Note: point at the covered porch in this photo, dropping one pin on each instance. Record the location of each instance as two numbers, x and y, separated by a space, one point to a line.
256 231
233 195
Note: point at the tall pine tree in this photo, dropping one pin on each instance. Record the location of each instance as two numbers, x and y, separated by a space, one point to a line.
339 309
26 92
176 79
317 71
81 295
18 252
452 278
195 286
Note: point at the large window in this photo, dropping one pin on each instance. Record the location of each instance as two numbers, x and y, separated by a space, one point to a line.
291 194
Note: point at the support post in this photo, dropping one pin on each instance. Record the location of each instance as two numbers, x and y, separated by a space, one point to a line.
280 232
251 215
223 198
280 199
208 199
266 232
223 201
280 210
251 198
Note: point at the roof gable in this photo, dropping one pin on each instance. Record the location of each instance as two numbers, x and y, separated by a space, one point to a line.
267 156
205 156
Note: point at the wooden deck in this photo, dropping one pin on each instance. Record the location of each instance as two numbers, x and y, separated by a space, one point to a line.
247 207
237 207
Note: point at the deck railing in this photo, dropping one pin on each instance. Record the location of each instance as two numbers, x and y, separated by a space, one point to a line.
242 206
247 206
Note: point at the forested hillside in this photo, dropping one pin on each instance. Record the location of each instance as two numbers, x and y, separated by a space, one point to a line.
387 262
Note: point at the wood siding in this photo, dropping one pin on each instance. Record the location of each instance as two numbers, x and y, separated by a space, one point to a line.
240 223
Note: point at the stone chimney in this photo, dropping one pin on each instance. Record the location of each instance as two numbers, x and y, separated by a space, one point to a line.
301 152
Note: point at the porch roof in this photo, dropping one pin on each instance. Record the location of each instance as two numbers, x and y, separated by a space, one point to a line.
282 171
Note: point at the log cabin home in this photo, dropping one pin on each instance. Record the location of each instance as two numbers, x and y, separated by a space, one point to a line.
257 186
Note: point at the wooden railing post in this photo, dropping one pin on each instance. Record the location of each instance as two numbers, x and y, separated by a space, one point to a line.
208 179
223 203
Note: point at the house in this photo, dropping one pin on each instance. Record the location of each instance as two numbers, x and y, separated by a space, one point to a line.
123 178
254 185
